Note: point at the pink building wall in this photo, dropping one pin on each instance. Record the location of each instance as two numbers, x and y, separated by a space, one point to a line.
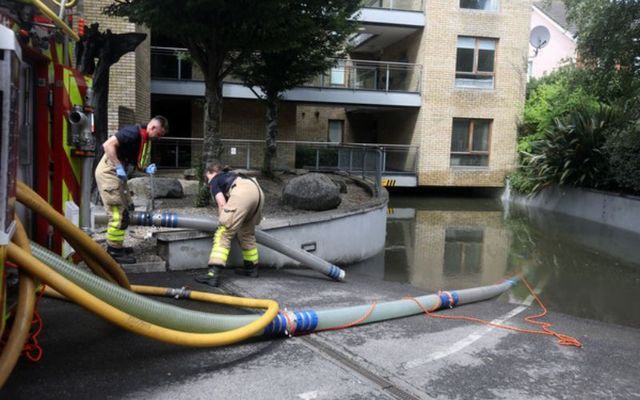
561 46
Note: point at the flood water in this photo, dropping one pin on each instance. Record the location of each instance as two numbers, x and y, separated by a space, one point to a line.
576 267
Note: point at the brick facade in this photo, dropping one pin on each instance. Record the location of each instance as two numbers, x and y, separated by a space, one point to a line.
428 127
130 78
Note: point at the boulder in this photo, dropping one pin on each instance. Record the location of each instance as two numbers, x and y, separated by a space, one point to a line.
190 174
312 191
163 188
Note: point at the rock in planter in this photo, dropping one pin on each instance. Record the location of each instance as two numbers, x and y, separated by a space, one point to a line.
163 188
312 191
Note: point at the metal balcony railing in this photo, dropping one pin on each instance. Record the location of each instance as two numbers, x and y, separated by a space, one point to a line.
388 76
367 160
405 5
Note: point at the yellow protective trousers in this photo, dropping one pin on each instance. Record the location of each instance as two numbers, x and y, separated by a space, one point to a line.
239 217
115 198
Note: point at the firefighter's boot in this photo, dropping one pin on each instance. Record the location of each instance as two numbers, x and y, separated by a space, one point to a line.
211 277
120 255
249 269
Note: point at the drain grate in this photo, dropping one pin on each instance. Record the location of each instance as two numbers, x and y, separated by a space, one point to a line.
386 385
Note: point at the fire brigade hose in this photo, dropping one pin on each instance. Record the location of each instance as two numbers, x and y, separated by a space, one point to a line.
143 327
93 254
205 224
23 314
286 322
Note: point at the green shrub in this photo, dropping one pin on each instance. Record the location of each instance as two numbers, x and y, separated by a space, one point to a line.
571 152
623 151
550 98
521 182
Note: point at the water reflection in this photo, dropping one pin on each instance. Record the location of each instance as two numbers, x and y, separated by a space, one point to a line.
579 268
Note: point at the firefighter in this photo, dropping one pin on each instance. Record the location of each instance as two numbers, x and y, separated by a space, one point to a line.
130 145
240 200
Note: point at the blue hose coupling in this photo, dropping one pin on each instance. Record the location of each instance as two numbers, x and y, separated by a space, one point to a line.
449 299
336 273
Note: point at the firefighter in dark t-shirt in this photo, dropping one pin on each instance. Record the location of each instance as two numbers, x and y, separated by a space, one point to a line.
131 145
240 200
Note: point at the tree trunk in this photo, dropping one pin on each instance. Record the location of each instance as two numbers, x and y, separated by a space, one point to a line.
212 143
271 134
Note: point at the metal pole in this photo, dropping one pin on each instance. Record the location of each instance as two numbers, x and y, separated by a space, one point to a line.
379 166
179 66
177 155
364 162
248 155
384 159
387 80
317 159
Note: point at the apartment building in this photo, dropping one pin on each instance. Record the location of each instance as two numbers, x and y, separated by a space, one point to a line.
434 87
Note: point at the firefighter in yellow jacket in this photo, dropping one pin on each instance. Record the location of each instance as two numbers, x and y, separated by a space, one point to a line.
240 200
130 145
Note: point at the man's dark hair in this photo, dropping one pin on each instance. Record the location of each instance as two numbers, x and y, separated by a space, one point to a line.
164 122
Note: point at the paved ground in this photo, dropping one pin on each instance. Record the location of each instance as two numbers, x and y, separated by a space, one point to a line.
411 358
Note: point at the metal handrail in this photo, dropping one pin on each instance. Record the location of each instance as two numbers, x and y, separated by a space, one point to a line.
367 160
388 76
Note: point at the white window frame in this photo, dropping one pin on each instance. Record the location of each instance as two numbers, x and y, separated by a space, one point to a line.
471 152
479 43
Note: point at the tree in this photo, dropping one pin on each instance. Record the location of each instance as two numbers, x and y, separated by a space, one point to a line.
316 31
219 34
608 42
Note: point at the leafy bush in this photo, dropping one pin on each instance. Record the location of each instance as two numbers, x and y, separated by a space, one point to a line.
521 182
549 98
623 150
571 152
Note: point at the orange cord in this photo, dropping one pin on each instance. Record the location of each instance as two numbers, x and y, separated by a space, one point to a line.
353 323
32 349
291 326
563 339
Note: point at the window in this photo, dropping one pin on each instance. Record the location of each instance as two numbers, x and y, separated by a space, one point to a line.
338 73
470 142
335 130
486 5
475 62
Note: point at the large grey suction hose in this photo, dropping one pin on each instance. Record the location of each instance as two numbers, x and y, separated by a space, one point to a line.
205 224
287 322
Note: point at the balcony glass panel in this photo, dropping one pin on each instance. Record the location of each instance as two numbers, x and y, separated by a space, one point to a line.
407 5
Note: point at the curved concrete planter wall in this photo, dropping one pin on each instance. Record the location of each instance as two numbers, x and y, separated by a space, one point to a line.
338 236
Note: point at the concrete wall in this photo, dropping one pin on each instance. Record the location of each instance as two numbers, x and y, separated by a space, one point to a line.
608 223
617 211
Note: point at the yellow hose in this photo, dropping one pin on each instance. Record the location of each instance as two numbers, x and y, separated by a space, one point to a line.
141 327
24 312
74 235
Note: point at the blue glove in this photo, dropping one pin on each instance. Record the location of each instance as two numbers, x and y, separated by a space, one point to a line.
151 169
121 173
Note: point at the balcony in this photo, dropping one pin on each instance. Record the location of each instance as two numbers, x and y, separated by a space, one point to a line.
384 164
406 5
348 82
